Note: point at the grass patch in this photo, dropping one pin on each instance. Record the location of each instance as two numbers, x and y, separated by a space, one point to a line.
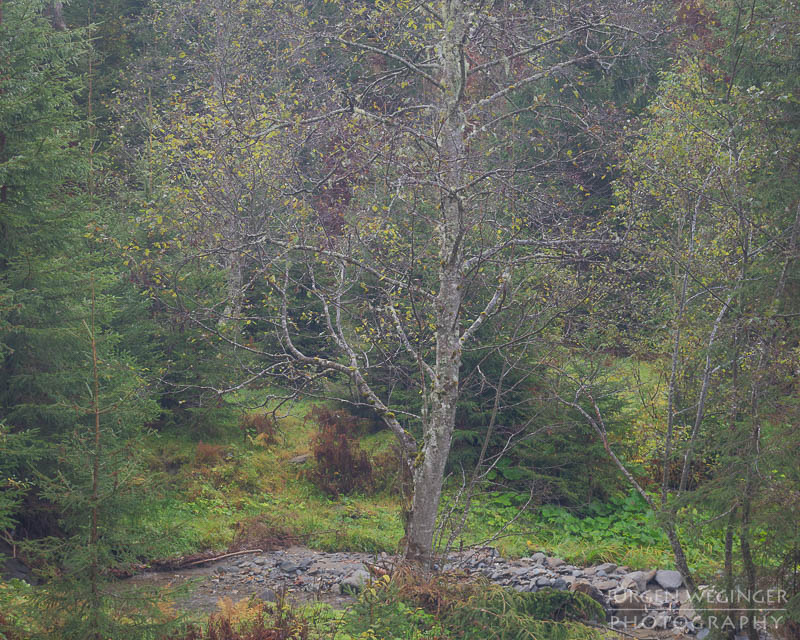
623 531
209 490
213 491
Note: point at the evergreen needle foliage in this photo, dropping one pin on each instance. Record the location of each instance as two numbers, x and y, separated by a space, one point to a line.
100 491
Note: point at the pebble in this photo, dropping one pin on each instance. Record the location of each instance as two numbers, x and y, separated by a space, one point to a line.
652 599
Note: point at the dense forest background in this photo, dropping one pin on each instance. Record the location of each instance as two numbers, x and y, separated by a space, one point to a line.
224 223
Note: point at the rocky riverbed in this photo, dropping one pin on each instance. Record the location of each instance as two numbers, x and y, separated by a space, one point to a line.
647 604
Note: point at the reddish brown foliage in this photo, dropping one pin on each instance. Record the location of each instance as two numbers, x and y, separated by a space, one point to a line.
8 631
260 426
697 19
342 466
438 594
208 454
282 625
390 472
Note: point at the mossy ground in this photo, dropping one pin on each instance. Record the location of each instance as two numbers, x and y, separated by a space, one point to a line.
227 488
217 491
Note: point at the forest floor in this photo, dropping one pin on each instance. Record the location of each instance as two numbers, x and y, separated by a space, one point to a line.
298 576
228 489
223 490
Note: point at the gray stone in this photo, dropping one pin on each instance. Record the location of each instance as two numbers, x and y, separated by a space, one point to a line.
608 567
560 584
355 582
268 595
605 585
639 579
687 611
648 622
288 567
543 582
669 579
554 563
656 598
587 589
538 557
662 620
13 568
683 625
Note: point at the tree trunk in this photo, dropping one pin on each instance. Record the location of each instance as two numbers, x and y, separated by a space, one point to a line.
747 561
729 538
55 11
428 475
3 188
680 557
429 466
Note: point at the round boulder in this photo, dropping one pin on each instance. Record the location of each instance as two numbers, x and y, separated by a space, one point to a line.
669 579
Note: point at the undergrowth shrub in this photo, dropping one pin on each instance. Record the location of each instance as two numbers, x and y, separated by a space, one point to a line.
342 465
248 620
259 428
207 454
390 472
199 423
169 458
9 630
448 606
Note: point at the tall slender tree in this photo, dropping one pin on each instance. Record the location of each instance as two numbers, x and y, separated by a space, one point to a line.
384 184
42 169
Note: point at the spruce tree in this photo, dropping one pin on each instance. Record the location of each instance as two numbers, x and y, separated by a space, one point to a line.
100 490
72 400
42 217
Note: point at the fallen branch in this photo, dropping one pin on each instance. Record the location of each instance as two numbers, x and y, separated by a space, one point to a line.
222 557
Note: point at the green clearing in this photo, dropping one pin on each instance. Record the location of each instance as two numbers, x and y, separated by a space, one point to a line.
230 486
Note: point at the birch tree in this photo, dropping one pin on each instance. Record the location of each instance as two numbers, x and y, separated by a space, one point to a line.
411 201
